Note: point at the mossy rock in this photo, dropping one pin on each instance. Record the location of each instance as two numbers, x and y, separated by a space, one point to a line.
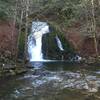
12 72
20 70
50 46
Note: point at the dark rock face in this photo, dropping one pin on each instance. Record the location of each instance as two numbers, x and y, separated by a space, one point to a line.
8 38
51 50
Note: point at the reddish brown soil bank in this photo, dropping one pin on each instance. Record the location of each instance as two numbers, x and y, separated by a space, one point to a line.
83 43
8 38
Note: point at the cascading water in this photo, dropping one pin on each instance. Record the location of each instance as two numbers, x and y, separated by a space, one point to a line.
59 43
35 40
35 45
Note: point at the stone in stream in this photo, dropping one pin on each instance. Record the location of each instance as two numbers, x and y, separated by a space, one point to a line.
20 71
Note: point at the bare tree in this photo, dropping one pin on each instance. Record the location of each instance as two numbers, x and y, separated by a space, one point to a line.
94 28
26 28
14 25
20 26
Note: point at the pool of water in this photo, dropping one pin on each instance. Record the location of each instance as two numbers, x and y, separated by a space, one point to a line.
53 81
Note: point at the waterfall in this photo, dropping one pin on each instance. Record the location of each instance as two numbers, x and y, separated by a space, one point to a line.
35 40
59 43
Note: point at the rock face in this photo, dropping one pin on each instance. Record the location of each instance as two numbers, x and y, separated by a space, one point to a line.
83 44
8 38
51 48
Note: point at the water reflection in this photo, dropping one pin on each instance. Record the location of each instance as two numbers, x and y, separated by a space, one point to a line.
37 65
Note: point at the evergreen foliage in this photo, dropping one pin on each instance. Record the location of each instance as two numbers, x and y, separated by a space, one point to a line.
6 9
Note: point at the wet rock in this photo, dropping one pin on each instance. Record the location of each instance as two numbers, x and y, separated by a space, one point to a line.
12 72
7 66
20 71
41 73
91 97
29 65
92 86
11 69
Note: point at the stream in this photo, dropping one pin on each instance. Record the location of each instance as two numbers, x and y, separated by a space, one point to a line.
53 81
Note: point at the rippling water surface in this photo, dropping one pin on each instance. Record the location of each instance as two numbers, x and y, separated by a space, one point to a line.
53 81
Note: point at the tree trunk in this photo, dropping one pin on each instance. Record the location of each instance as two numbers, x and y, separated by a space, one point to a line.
26 30
19 34
94 28
13 27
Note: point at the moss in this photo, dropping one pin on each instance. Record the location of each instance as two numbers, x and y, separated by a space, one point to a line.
21 44
64 41
50 48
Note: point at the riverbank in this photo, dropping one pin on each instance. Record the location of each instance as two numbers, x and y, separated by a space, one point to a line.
10 68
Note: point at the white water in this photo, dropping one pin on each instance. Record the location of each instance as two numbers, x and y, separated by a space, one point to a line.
35 40
59 43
